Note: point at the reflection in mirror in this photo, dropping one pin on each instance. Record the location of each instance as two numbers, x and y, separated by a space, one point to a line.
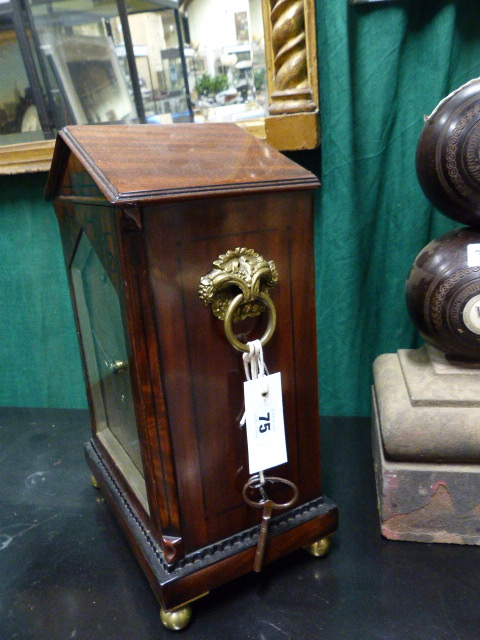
226 59
156 61
135 61
88 80
18 115
94 53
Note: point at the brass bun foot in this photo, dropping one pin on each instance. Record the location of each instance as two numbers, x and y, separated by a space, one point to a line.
320 548
176 619
95 484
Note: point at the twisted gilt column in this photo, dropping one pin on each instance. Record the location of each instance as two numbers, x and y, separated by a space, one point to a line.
291 91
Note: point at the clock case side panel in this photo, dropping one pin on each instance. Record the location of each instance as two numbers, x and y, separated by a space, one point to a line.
203 375
160 517
150 394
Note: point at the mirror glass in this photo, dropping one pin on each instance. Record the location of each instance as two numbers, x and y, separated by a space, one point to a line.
125 61
18 114
226 59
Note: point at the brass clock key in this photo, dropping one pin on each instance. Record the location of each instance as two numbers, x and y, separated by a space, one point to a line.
268 506
262 537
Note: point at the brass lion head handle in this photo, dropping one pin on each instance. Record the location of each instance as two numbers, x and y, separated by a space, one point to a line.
238 288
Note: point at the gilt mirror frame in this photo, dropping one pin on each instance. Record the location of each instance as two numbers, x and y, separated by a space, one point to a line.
293 121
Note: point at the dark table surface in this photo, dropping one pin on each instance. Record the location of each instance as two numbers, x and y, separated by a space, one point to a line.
67 572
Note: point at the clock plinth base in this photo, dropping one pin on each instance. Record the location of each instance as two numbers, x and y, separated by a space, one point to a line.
201 571
425 448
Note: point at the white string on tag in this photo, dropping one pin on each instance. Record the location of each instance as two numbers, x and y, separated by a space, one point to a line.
254 364
255 368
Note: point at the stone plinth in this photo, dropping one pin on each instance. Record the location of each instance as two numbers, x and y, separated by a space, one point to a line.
426 446
429 409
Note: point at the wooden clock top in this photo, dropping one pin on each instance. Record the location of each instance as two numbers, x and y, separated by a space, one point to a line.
130 163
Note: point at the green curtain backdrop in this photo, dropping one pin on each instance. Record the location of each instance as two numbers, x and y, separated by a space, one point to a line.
39 358
382 67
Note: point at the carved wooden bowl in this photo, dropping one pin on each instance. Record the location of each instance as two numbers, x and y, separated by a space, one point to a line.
443 294
448 155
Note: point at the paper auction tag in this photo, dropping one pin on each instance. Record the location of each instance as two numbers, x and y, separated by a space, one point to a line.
265 425
473 255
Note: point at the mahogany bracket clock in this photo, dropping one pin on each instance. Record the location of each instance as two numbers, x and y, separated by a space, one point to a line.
183 244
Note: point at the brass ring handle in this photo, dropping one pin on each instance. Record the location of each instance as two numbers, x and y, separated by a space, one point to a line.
232 307
245 270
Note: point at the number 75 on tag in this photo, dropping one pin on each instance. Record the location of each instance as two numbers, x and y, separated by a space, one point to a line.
265 425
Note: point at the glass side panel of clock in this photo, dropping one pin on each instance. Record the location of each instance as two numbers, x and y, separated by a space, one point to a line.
106 361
